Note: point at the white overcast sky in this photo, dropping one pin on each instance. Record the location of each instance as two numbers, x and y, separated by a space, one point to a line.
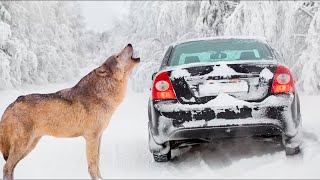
99 14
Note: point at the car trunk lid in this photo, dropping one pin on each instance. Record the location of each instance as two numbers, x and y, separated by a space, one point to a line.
200 83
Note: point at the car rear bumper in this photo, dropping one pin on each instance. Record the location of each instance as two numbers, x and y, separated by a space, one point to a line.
217 128
213 132
174 121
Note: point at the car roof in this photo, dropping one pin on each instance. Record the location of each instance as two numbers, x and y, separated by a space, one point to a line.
258 38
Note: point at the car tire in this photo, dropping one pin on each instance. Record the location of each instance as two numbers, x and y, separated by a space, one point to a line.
162 157
293 145
290 151
161 152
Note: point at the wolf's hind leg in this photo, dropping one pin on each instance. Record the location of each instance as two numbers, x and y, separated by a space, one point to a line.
17 152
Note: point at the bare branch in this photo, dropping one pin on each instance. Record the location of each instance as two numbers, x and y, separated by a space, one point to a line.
306 11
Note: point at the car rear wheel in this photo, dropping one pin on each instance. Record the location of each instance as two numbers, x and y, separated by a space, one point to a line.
162 157
161 152
292 145
290 151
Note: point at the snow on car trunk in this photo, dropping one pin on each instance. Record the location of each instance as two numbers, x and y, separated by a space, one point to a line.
249 81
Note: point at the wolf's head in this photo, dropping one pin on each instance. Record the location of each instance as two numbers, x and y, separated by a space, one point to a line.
118 66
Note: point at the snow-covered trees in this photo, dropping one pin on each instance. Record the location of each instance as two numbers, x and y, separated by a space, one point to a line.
309 60
44 42
41 42
290 26
212 17
151 27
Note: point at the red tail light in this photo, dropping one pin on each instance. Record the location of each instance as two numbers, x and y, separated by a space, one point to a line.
162 88
282 81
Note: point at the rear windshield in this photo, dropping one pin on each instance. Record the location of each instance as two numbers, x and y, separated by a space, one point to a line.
219 50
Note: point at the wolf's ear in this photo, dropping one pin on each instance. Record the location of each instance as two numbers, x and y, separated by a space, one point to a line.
102 71
105 68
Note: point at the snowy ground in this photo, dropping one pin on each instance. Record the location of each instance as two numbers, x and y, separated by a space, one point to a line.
125 154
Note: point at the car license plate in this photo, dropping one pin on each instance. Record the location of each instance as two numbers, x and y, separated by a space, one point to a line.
214 87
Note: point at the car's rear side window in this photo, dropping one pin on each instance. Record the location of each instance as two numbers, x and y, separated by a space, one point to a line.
220 50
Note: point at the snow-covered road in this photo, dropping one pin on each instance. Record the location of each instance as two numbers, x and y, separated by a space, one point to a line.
125 154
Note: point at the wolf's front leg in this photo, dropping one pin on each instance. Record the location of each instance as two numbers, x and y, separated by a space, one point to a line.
93 156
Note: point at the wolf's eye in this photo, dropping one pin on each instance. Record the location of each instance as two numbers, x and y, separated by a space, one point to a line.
117 56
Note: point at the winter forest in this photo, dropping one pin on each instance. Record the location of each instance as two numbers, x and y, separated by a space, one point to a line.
45 42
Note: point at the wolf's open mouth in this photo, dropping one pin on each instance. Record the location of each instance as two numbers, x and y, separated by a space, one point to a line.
135 56
135 59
